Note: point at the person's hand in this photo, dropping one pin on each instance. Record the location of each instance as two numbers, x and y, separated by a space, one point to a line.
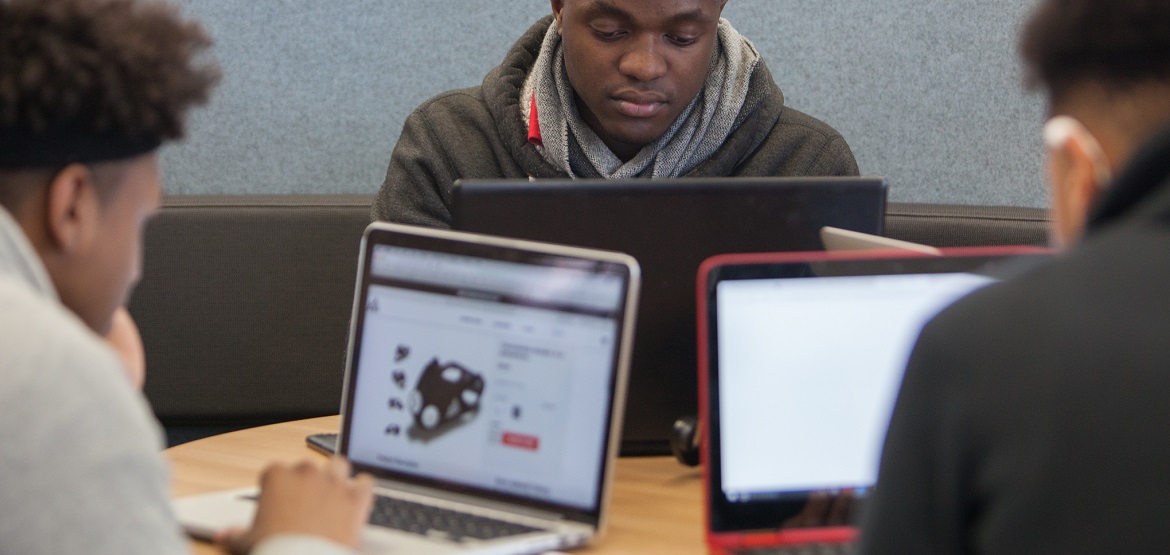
307 499
825 508
123 336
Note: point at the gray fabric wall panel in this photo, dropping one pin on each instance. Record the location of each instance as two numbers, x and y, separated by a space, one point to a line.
927 92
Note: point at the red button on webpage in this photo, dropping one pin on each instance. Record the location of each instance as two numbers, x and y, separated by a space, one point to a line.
521 441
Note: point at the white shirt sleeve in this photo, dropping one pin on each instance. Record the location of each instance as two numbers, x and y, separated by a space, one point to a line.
82 471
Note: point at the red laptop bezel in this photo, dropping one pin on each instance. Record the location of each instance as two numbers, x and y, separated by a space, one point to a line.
724 541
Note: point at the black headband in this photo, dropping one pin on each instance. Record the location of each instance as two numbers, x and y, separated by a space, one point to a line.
21 149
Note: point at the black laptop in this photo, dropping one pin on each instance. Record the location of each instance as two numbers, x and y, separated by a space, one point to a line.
670 227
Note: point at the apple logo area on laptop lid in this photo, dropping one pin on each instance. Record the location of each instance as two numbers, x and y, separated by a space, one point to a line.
801 358
670 226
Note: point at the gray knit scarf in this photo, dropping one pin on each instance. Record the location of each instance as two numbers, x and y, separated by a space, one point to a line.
698 132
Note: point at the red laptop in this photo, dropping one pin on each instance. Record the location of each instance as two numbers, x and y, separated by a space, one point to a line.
800 360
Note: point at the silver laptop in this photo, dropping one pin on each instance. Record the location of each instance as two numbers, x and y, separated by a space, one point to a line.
837 239
484 388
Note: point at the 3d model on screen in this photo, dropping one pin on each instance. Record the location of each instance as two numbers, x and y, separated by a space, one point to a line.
445 394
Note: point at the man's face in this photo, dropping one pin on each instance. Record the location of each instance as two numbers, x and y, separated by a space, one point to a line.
636 64
110 263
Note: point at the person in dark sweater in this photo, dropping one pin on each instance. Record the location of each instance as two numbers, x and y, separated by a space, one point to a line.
609 89
1034 414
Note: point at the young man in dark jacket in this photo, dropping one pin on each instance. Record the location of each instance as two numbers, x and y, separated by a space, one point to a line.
609 89
1033 416
89 91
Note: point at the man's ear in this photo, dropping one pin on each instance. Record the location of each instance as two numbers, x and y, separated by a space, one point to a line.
1075 181
72 207
557 7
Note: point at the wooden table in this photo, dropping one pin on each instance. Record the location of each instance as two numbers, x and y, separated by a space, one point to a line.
656 503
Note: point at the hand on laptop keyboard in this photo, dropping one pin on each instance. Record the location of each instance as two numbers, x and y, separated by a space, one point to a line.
307 499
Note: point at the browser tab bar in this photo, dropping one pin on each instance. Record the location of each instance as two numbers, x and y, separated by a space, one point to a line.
567 286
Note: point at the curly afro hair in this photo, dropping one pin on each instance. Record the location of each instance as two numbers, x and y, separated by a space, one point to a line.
101 67
1112 43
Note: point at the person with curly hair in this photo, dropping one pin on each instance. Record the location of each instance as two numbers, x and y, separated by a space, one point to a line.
89 90
1033 414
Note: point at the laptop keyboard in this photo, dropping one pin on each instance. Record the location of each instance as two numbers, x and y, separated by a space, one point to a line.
426 520
806 549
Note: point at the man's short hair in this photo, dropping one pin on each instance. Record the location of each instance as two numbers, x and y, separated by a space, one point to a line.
1112 43
96 80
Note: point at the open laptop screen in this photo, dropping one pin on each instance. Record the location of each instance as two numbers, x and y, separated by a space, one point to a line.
804 362
485 369
819 361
